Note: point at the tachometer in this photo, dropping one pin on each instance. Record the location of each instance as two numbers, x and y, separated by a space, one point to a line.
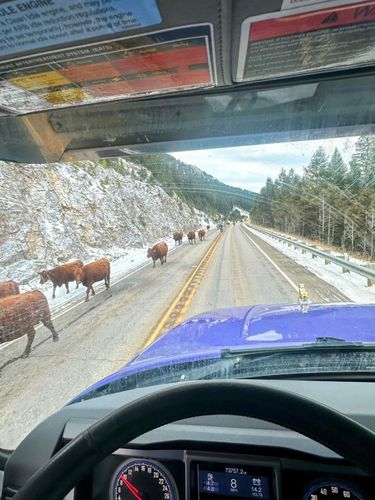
330 490
142 480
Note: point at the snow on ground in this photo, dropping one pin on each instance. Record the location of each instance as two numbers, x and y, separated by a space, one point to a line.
135 259
352 285
242 212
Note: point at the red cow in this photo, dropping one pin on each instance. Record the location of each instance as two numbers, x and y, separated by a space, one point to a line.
158 251
9 288
177 236
61 275
191 237
201 234
19 314
91 273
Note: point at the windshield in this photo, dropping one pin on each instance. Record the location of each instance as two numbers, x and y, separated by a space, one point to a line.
231 202
242 248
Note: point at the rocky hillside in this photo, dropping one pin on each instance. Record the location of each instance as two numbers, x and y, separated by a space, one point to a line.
56 212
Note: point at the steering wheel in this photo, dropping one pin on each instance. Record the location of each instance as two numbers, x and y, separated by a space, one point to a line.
71 463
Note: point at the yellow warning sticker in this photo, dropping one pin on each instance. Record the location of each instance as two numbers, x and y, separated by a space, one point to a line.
40 80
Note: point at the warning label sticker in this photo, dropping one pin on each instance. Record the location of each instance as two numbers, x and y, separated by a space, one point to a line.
293 4
26 25
154 63
284 44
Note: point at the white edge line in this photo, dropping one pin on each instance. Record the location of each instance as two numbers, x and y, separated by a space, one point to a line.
291 283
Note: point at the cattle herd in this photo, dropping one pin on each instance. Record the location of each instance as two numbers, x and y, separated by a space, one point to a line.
21 312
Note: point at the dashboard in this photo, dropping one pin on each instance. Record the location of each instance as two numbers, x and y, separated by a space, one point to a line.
218 457
199 475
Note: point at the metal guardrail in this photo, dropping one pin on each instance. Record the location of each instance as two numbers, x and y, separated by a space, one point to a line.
342 262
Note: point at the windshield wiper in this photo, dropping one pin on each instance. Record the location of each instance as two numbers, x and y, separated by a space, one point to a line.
320 343
334 342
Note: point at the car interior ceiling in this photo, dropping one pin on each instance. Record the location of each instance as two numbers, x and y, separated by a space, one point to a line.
329 104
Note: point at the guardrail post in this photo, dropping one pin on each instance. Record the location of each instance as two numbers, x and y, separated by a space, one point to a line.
346 258
327 261
371 282
312 255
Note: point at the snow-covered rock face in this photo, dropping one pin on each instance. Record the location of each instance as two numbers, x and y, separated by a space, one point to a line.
57 212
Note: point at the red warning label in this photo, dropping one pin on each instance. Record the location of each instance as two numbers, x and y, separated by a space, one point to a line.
281 44
325 19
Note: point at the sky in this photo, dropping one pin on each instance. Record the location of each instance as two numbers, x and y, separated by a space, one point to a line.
249 166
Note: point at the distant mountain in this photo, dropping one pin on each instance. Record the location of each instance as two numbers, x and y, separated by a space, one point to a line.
195 187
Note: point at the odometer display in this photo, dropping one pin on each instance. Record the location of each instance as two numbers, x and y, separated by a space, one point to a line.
142 480
332 491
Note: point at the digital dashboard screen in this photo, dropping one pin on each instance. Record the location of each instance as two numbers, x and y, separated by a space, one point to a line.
215 481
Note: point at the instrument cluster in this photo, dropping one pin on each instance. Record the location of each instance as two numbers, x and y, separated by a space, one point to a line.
197 476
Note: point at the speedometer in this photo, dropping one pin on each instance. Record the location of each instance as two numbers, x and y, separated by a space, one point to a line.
330 490
142 480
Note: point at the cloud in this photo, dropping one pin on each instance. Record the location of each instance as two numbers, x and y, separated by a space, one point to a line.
249 166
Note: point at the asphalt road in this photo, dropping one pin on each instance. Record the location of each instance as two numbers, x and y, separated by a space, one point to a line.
96 338
241 273
99 337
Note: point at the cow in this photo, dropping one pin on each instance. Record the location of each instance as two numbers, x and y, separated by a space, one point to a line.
91 273
177 236
60 275
191 237
19 314
9 288
158 251
201 234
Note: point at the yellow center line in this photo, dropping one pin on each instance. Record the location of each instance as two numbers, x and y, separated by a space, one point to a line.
176 311
188 300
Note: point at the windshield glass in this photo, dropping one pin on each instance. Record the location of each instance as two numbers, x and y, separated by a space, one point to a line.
176 206
232 220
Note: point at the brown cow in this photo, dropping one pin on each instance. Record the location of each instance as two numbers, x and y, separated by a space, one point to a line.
91 273
61 275
177 236
158 251
19 314
201 234
191 236
9 288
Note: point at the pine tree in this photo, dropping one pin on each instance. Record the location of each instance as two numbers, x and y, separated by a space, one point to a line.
362 164
331 202
317 169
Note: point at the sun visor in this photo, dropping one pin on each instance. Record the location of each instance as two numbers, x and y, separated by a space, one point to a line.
83 71
306 37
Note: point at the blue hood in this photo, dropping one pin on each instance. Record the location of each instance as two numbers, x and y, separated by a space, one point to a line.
258 327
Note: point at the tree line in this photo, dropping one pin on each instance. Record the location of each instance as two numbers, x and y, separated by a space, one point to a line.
195 187
331 202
